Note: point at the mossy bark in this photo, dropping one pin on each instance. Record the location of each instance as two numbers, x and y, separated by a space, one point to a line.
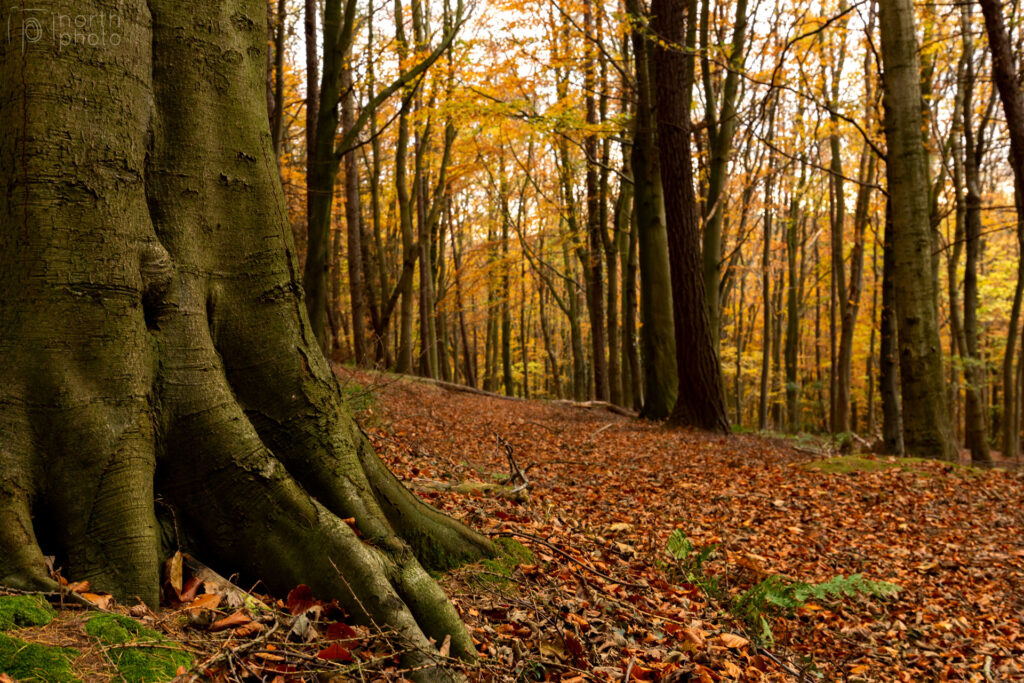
155 340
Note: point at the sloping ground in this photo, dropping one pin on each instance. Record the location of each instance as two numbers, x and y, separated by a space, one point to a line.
765 538
608 491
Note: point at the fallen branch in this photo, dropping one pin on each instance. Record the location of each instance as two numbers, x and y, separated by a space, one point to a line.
556 549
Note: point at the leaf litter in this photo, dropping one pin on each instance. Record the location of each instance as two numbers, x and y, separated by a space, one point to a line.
582 503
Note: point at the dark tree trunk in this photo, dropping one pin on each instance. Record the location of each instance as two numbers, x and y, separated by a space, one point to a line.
277 112
793 277
701 400
888 362
595 215
194 376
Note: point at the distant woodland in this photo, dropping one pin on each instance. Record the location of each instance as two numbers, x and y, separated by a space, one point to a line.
480 194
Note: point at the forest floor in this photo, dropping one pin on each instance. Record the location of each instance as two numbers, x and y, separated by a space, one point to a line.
640 552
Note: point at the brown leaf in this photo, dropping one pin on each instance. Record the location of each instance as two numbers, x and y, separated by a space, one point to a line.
173 572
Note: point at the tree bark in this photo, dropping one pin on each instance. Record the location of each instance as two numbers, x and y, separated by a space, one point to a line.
701 399
766 291
976 431
721 127
657 330
926 426
151 299
888 361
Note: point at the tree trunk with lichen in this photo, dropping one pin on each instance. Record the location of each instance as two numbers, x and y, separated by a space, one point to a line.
160 374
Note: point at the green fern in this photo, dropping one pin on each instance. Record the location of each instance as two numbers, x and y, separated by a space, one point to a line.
772 596
844 587
679 546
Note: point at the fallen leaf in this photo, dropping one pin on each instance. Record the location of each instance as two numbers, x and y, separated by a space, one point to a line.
340 631
300 599
174 572
250 629
335 653
733 640
204 601
101 600
237 619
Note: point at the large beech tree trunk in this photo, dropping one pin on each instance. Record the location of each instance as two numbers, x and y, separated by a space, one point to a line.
701 399
926 427
156 344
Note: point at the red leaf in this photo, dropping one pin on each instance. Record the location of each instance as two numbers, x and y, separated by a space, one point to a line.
191 587
340 631
335 653
300 599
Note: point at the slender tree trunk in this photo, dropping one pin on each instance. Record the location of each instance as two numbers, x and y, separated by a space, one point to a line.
595 213
1005 73
841 357
631 267
721 127
974 149
793 276
766 261
354 223
657 329
277 112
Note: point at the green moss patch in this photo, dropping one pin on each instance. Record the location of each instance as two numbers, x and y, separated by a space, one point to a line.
24 610
510 555
29 662
135 662
848 464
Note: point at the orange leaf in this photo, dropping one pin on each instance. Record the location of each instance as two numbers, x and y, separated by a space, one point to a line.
236 619
733 640
103 601
204 601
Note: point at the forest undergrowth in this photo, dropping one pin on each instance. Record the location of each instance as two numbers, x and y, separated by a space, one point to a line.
631 551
